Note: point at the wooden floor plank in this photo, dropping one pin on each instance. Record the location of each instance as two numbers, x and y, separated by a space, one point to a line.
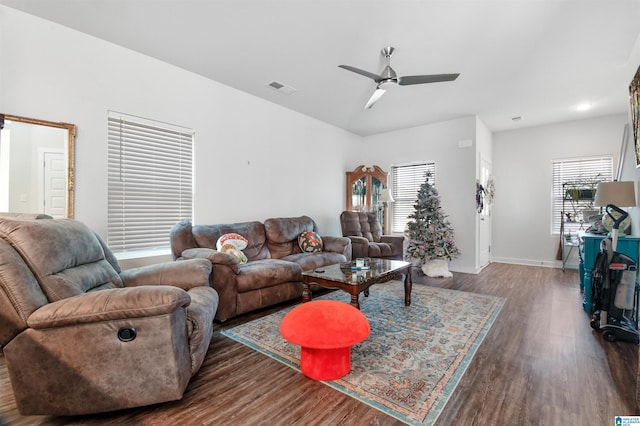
541 363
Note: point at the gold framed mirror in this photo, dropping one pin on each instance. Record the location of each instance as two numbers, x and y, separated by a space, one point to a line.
37 160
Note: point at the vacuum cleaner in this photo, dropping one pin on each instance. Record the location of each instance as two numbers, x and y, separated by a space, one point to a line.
614 288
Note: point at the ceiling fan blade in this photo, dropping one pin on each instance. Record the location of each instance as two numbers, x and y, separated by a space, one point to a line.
374 98
420 79
372 76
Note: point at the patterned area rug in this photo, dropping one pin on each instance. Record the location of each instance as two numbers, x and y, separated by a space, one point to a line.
413 359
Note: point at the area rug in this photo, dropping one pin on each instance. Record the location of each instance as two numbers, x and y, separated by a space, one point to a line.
413 359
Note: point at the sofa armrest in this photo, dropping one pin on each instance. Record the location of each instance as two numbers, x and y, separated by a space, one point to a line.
184 274
395 241
359 246
340 245
213 256
109 305
223 279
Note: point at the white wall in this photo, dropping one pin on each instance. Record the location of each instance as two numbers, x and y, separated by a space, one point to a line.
522 170
254 159
455 172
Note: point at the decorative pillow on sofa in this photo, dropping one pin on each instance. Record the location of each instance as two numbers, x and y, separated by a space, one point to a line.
233 244
237 240
233 251
310 242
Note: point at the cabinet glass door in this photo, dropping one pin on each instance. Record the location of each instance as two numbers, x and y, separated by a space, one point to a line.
364 187
359 194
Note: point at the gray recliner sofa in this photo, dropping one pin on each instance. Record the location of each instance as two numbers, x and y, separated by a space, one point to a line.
273 273
367 239
81 336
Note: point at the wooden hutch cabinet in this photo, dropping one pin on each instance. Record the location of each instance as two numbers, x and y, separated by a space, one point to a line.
364 187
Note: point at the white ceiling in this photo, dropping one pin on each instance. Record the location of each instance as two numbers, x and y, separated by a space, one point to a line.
536 59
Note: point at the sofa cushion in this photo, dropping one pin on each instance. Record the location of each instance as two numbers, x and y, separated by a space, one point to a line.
207 236
310 242
282 234
267 273
380 250
361 224
65 256
309 261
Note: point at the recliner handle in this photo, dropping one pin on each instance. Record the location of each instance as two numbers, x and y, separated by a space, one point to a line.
127 334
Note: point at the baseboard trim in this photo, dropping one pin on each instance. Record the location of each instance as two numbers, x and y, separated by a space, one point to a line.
529 262
466 270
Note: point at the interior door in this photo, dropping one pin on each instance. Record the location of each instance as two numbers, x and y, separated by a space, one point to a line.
484 218
54 184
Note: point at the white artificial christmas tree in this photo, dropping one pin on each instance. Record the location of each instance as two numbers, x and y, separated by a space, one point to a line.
430 235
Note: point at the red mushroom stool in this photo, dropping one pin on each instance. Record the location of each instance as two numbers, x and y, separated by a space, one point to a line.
325 331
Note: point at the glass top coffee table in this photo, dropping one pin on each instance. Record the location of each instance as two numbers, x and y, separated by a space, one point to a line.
354 282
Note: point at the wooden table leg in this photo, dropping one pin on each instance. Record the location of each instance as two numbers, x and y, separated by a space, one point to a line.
354 301
306 292
408 284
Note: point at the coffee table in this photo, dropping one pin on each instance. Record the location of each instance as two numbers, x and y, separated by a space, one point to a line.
354 282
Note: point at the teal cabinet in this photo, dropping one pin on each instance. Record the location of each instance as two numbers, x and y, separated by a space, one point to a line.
590 248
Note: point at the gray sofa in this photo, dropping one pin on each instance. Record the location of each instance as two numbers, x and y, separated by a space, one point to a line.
273 273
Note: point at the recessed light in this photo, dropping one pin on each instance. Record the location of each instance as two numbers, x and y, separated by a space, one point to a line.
583 107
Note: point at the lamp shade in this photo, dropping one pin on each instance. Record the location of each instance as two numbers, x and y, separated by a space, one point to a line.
620 194
385 196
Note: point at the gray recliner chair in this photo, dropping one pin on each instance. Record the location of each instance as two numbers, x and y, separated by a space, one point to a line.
365 233
81 336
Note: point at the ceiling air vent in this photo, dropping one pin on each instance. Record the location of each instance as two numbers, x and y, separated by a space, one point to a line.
281 87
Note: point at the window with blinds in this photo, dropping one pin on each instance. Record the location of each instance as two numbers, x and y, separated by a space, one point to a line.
150 174
578 173
406 182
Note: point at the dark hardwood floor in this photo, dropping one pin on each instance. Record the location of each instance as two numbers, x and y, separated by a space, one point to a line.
540 364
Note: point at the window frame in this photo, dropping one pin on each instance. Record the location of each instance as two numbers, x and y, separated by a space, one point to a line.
150 183
575 169
405 198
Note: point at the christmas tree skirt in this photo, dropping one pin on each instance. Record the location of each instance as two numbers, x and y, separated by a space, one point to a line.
437 268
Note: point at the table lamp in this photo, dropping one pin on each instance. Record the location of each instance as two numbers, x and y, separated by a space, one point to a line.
385 199
620 194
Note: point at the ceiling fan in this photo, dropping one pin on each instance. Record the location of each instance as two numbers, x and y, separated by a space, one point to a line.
388 77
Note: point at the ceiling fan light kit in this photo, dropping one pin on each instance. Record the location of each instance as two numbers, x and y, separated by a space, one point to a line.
374 98
388 77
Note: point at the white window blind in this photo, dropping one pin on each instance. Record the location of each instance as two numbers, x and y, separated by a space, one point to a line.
406 180
150 181
577 172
